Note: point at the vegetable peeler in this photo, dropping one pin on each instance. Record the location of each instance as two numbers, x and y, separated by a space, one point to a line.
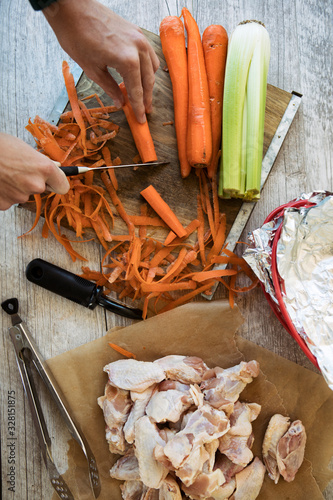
28 358
75 288
77 170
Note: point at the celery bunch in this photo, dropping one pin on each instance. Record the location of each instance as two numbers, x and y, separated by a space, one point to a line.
244 111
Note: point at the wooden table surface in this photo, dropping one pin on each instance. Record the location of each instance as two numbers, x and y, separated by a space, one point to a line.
31 80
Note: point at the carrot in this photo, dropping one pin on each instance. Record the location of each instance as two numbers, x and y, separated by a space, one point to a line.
72 95
122 351
144 220
117 203
171 238
107 157
134 266
68 115
48 144
163 210
173 45
38 200
140 131
199 133
215 45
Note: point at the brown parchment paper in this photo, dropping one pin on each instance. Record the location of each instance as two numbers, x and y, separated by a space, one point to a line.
207 330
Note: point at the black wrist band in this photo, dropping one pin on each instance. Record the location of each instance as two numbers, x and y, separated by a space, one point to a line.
41 4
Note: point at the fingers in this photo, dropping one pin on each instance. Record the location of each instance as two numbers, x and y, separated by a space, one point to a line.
56 180
109 85
148 80
134 87
139 80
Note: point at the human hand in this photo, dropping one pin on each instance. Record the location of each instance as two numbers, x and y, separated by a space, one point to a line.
25 171
97 38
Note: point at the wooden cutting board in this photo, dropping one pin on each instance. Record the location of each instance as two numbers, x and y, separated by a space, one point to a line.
180 194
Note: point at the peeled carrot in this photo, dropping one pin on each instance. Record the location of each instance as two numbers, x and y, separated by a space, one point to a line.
140 131
139 267
73 99
215 45
122 351
173 45
163 210
199 133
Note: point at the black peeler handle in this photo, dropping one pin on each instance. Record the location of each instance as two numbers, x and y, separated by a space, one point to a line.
71 170
63 283
73 287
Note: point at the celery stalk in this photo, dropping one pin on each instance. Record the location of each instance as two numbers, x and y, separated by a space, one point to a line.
243 110
256 101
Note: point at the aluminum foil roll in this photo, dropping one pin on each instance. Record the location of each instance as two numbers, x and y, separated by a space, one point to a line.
305 263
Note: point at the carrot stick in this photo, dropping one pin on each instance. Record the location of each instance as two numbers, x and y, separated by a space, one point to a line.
214 273
68 115
107 157
215 44
172 237
140 131
199 133
209 209
50 147
122 351
167 287
173 45
200 232
187 297
72 95
38 200
220 238
144 220
117 203
163 210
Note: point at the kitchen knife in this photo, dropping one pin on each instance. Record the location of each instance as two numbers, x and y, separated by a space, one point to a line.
77 170
75 288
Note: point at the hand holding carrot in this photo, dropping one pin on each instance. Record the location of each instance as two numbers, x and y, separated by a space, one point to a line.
97 38
24 171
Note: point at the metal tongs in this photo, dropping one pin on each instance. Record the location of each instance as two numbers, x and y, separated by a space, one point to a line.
28 357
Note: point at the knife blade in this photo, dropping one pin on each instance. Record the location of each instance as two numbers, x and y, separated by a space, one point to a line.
77 170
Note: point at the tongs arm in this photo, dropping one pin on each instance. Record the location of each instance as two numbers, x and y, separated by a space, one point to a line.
24 359
28 355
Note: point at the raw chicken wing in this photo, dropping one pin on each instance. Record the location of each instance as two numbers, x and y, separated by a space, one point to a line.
236 443
204 485
169 405
228 468
126 468
223 387
132 490
140 401
193 465
185 369
223 492
249 481
203 426
116 405
134 375
276 428
170 490
290 450
147 437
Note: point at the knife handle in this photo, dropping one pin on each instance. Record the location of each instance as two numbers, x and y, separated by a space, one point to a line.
63 283
68 171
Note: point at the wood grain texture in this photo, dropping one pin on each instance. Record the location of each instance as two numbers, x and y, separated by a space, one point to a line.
180 194
31 80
